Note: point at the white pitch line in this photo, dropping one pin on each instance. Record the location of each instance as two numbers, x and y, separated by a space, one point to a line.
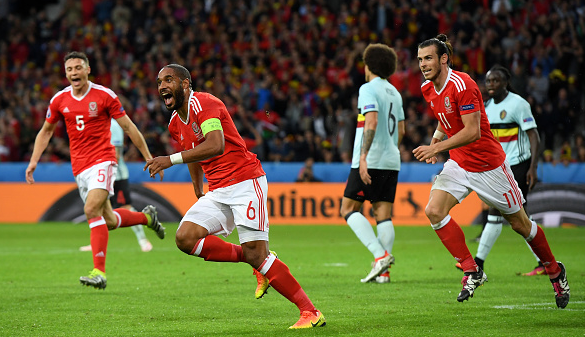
535 306
335 264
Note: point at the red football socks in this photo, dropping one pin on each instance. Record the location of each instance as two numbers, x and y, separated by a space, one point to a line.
282 281
127 218
454 240
212 248
99 242
540 247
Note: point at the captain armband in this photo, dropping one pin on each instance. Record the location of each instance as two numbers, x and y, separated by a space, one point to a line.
211 124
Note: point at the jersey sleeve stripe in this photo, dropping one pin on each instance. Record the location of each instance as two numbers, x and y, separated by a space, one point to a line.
457 85
196 104
68 89
172 116
460 80
102 88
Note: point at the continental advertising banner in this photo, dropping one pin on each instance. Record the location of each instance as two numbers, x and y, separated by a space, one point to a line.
288 203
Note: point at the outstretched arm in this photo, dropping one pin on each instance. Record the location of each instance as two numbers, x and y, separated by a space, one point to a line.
41 142
137 139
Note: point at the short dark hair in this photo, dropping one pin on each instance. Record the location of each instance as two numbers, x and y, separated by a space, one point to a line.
181 72
441 42
380 59
76 55
506 74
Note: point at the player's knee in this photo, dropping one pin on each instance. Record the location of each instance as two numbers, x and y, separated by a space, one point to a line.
520 224
185 242
91 211
343 211
255 252
434 214
348 208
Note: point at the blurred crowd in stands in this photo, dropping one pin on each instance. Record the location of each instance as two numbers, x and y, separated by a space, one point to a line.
288 70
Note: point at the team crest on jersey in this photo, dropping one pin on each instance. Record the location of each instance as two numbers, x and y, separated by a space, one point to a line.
448 107
503 114
197 131
93 109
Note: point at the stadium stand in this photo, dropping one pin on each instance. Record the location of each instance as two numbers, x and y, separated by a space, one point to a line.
288 70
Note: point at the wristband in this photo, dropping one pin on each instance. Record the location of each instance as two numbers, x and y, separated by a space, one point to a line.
438 135
176 158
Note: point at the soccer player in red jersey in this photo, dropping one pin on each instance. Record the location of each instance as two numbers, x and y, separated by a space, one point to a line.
237 193
477 163
88 109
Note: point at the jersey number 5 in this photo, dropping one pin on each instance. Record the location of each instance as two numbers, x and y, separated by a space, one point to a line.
79 121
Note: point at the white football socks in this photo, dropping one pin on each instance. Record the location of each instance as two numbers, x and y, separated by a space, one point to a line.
490 234
386 234
364 231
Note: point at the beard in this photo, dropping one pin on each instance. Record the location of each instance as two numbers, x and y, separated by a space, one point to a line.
437 74
179 97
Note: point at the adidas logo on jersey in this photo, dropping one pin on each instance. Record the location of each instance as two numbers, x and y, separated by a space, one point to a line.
432 105
66 110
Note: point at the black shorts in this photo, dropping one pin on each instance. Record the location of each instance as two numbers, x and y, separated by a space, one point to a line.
121 195
520 171
383 187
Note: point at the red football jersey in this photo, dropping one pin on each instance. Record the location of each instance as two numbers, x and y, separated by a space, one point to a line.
236 164
88 121
459 96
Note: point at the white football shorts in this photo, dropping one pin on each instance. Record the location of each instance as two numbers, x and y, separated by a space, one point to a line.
497 187
101 175
242 205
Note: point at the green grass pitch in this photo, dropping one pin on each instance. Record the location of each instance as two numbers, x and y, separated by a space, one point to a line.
167 293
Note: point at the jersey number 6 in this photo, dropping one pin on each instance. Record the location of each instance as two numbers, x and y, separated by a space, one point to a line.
252 211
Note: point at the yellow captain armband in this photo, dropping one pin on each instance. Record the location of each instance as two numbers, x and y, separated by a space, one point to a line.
211 124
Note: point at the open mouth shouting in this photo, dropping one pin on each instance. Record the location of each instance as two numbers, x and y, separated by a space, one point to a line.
167 98
75 81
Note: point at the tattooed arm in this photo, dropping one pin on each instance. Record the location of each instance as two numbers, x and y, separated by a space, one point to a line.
368 138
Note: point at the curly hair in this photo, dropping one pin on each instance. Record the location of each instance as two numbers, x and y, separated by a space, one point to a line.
380 59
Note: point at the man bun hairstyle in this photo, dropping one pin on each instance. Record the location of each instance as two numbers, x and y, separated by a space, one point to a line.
181 72
507 76
76 55
442 44
380 59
